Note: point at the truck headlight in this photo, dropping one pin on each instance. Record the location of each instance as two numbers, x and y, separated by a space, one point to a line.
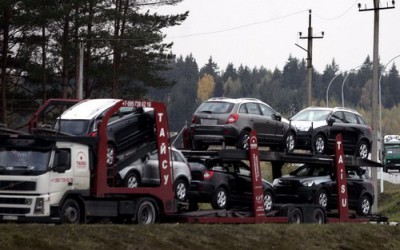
39 206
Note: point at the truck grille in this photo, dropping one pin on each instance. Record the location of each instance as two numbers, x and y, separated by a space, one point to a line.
18 185
9 210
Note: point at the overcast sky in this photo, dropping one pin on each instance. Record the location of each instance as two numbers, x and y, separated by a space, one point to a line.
264 32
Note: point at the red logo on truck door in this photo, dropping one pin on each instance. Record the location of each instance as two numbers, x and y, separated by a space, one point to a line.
81 162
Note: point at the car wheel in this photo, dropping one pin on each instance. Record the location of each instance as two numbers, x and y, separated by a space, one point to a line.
132 180
181 188
364 206
70 212
290 142
110 154
319 144
268 201
362 150
322 198
244 140
220 199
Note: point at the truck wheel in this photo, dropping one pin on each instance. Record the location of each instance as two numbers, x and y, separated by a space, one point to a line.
364 206
295 216
132 180
318 216
146 212
70 212
181 188
220 199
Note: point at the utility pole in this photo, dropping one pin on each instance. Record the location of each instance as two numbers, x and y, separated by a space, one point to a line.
375 73
309 38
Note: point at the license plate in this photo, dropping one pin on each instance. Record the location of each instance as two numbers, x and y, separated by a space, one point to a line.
208 122
10 217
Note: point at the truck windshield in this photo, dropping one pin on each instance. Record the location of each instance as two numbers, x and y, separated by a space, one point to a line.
23 161
392 150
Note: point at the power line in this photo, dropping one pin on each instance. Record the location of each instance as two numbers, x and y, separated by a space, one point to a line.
237 27
339 16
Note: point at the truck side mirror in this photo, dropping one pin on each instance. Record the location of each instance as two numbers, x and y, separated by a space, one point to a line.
61 168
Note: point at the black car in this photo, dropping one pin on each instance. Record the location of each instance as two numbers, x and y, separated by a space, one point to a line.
317 128
229 121
127 128
316 184
224 184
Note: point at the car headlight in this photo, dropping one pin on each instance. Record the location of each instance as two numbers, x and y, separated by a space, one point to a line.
275 182
303 128
307 183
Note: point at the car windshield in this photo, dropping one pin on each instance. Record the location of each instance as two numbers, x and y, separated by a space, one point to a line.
73 127
23 161
311 115
215 107
310 170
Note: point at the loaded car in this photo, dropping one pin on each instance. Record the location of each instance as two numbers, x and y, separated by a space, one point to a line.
317 128
225 184
229 121
311 183
146 172
127 128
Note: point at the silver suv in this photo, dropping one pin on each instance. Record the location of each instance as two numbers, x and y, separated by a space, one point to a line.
145 172
229 121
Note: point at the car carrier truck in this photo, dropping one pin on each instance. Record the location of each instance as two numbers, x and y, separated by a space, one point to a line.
56 178
47 177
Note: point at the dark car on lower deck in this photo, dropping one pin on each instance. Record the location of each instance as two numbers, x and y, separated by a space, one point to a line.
224 184
312 183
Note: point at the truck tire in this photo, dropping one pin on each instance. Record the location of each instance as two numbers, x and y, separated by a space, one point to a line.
318 216
70 212
295 216
146 212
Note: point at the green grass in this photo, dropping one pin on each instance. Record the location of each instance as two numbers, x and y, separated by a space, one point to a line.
196 236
